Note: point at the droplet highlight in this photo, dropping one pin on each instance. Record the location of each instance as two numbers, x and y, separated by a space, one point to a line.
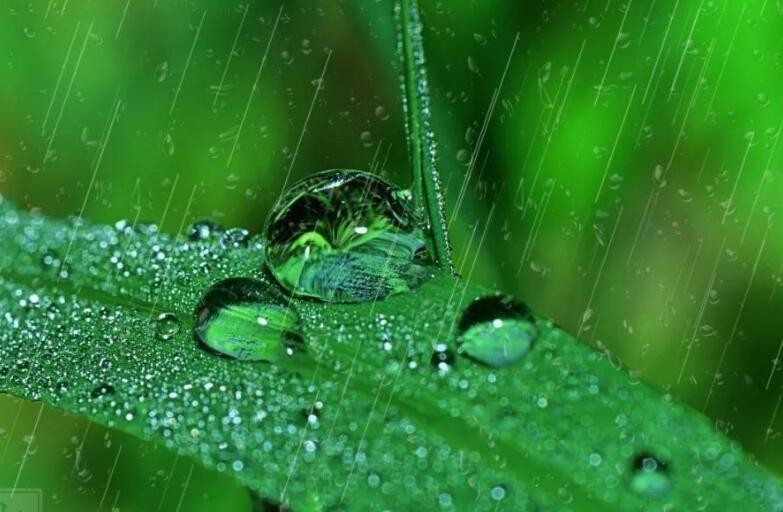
346 236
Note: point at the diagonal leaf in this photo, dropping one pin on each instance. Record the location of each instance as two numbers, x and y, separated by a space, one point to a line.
358 419
418 123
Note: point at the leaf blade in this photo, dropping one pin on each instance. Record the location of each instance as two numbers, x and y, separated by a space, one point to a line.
88 345
427 191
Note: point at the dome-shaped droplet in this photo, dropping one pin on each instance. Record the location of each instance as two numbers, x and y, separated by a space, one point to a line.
103 389
496 331
167 326
203 230
345 236
649 476
248 320
498 492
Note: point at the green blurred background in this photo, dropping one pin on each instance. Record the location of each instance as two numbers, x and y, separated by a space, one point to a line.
616 166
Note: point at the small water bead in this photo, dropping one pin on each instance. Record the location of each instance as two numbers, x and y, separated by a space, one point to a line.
167 325
203 230
445 500
650 476
346 236
374 479
248 320
496 331
498 493
102 390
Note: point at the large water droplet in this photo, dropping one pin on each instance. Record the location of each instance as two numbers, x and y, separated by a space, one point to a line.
496 331
345 236
650 476
247 320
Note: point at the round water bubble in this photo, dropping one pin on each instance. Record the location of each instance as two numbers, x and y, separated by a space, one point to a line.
248 320
496 331
167 326
649 476
203 230
346 236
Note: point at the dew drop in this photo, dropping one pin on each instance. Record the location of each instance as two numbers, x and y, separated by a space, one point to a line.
496 331
374 479
498 493
102 390
203 230
345 236
247 320
445 500
167 326
650 476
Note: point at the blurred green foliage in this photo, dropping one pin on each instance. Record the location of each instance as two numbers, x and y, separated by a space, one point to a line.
620 162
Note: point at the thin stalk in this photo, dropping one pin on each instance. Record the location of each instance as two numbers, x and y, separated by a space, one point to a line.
427 194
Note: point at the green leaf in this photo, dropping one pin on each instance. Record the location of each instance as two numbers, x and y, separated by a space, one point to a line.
418 123
358 417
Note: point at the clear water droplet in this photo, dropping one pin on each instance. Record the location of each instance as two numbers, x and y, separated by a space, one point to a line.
496 331
650 476
101 390
345 236
167 326
248 320
498 493
373 479
203 230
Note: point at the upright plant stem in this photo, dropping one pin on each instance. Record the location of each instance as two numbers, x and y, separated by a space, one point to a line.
427 193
